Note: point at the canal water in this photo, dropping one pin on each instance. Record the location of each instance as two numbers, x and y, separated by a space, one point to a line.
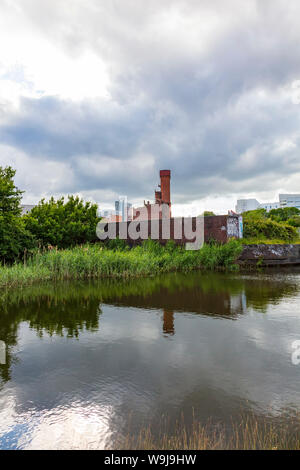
89 363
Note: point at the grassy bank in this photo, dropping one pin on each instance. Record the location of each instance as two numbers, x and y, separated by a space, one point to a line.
268 241
96 261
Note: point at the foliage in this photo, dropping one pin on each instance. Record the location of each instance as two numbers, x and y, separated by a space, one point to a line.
266 241
63 223
261 224
294 221
117 244
97 261
256 214
208 213
259 227
14 238
283 214
10 195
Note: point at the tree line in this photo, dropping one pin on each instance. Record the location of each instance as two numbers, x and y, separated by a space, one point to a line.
61 223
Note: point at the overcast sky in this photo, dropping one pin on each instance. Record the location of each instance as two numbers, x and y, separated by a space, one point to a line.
96 96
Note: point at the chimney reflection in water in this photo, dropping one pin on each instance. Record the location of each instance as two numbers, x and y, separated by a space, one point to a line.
168 322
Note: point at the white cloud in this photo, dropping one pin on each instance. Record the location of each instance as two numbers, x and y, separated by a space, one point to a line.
39 177
98 96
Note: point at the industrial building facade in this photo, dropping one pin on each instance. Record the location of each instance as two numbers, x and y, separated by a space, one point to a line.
155 221
161 208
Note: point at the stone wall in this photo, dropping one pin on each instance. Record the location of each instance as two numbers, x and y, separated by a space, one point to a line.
270 255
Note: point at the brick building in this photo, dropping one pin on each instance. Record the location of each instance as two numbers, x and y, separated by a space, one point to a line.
155 220
162 206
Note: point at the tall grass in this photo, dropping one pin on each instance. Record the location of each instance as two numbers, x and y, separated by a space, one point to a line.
268 241
96 261
247 433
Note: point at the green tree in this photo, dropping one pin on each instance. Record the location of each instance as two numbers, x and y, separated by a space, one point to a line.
283 214
14 238
10 195
63 223
207 213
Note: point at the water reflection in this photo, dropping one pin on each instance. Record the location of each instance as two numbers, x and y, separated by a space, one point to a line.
67 309
168 322
102 352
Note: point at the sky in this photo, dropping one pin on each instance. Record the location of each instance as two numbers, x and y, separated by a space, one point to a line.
97 96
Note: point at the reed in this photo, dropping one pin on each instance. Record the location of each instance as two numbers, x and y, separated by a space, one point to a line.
96 261
247 433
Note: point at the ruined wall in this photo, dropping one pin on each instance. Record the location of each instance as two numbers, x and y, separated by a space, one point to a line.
219 228
270 255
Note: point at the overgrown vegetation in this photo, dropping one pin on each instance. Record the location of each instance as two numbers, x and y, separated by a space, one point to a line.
96 261
247 433
290 215
276 224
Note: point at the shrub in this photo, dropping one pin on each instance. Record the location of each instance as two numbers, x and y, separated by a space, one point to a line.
268 228
294 221
283 214
63 224
15 240
256 214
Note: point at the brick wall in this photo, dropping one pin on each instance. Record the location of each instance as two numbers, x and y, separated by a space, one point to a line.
219 228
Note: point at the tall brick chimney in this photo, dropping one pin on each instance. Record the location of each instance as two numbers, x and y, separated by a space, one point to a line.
162 197
165 177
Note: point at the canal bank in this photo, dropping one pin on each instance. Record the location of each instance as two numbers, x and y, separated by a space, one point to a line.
270 255
148 260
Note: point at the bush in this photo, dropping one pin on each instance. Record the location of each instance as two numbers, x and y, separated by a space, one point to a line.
283 214
63 224
294 221
268 228
15 240
256 214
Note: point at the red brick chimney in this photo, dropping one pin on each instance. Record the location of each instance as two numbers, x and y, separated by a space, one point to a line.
162 196
165 177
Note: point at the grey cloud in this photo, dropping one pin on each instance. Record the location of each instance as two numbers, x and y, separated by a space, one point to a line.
59 129
195 150
215 112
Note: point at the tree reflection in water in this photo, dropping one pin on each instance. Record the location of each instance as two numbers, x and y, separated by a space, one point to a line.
68 308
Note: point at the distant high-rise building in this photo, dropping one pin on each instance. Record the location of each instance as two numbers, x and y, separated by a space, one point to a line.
285 200
268 206
244 205
289 200
122 207
26 208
